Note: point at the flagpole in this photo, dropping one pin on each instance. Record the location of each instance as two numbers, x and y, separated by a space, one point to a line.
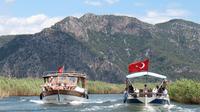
63 68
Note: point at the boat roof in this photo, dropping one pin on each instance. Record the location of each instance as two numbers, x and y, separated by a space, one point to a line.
140 74
66 74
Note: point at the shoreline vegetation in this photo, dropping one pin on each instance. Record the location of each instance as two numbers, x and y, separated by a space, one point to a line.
182 91
32 87
185 91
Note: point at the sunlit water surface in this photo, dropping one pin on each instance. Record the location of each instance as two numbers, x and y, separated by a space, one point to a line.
96 103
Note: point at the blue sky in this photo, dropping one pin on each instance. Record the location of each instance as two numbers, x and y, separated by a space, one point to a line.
31 16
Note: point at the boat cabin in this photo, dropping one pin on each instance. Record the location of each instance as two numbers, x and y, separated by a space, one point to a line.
64 87
64 81
146 90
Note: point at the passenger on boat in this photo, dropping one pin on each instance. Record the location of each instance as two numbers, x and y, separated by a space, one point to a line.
53 84
155 90
165 83
160 91
125 95
165 92
145 90
130 89
50 81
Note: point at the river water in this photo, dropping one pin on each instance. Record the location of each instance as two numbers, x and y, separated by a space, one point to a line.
96 103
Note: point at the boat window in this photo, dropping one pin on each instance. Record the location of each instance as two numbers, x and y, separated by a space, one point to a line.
73 80
51 80
68 80
63 79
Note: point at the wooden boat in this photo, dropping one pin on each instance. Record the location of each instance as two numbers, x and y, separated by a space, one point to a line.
64 88
146 96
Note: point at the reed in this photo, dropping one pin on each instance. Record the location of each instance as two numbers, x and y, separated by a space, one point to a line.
105 88
19 87
32 87
185 91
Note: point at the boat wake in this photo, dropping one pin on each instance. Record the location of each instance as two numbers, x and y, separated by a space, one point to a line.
37 101
110 105
169 106
96 101
165 107
92 102
77 102
149 108
100 101
185 109
97 108
23 99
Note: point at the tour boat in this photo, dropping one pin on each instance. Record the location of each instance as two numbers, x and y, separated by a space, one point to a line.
64 88
146 95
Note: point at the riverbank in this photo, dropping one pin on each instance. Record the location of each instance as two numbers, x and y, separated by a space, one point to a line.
182 91
185 91
19 87
32 87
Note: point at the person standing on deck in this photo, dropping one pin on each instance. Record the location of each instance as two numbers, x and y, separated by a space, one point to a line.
165 92
155 90
125 95
145 90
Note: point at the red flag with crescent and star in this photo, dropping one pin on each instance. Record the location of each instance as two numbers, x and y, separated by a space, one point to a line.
139 66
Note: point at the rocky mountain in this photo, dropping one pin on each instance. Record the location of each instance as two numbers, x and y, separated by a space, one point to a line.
5 39
102 46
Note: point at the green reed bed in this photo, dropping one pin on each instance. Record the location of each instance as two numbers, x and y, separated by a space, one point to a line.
185 91
32 87
104 88
19 87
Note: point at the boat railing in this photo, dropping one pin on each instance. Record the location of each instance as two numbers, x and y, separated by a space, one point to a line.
69 73
149 94
49 87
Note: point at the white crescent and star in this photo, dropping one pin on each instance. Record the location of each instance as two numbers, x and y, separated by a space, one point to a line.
141 67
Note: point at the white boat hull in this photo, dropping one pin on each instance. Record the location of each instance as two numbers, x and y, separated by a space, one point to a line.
149 100
61 99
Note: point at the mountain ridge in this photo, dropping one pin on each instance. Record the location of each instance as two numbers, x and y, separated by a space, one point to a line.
103 46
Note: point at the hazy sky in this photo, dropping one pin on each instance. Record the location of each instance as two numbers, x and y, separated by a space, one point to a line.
31 16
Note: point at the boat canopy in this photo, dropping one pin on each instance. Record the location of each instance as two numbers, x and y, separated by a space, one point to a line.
69 74
139 74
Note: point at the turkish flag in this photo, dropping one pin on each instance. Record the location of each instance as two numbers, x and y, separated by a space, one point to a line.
61 69
139 66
